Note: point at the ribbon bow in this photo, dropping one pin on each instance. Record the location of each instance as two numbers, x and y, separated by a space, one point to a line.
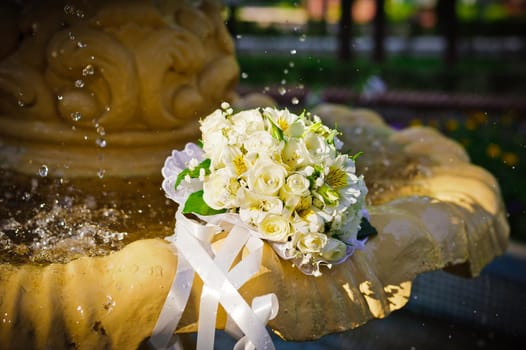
221 281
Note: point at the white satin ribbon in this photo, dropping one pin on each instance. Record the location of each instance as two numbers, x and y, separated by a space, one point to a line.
221 282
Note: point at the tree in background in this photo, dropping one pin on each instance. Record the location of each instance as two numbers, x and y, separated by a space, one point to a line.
344 31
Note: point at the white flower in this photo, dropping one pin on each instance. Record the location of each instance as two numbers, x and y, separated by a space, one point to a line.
316 221
266 177
262 143
220 189
297 185
295 154
254 207
214 145
334 250
318 146
311 242
248 121
274 227
214 122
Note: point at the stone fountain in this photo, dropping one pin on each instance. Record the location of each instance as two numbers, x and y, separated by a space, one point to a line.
93 98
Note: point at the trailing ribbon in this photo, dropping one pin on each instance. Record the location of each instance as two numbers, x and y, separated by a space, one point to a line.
221 281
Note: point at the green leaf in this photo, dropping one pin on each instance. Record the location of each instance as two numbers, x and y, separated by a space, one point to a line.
276 131
195 204
356 155
205 164
366 229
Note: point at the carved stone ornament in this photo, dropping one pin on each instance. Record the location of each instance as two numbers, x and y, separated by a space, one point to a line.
91 85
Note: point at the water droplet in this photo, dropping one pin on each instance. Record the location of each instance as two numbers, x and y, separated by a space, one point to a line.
101 173
88 70
80 13
71 36
92 58
43 170
107 108
79 83
285 71
303 37
295 101
76 116
54 54
101 143
293 52
282 91
81 45
244 75
239 36
60 97
20 103
283 82
291 64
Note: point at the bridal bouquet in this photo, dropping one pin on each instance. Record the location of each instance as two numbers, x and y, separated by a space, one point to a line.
281 175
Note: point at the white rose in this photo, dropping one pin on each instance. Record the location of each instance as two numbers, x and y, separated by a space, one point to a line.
220 189
296 184
311 242
266 177
295 154
274 227
334 250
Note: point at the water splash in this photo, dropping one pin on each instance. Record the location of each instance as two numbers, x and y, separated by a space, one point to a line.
88 70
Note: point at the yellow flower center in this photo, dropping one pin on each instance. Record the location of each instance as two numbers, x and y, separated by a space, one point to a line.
283 124
239 164
336 178
304 205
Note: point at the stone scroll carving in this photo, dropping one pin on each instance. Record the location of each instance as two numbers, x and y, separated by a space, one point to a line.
110 86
